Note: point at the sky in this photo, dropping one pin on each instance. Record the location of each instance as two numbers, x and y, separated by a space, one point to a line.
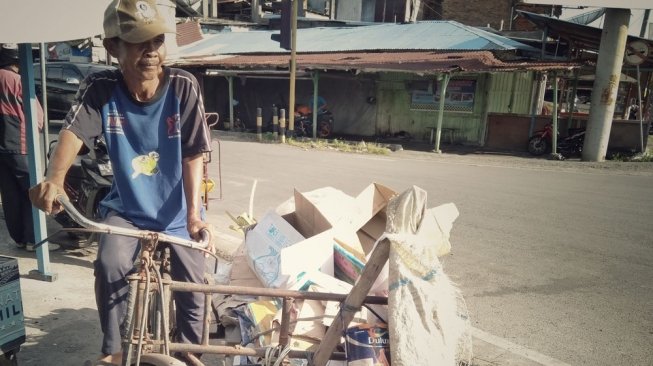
636 17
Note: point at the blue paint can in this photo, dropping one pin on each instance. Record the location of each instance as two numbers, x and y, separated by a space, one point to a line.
368 345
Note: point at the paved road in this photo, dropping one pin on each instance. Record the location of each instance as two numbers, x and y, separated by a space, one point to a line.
555 259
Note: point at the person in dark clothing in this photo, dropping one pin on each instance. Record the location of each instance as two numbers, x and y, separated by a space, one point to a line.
14 170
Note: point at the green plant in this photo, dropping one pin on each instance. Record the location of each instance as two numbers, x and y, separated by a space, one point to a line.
339 145
645 157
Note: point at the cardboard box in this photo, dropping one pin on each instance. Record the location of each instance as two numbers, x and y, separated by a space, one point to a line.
334 204
264 244
280 248
319 282
355 237
11 306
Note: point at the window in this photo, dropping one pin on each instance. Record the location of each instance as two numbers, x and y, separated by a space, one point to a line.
37 72
459 96
55 73
69 72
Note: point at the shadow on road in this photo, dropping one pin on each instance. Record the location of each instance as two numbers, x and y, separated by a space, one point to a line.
63 337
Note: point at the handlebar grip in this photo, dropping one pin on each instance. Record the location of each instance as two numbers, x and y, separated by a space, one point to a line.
205 237
66 204
61 198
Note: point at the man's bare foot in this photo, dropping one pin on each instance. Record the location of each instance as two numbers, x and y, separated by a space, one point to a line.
114 359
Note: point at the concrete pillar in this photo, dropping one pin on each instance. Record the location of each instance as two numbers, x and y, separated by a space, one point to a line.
256 11
604 92
443 80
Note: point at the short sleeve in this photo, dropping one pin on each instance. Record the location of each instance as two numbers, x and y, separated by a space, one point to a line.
195 134
85 116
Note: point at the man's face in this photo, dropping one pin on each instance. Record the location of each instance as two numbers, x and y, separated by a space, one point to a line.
140 61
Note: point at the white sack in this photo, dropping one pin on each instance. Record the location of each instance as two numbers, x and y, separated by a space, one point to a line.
428 319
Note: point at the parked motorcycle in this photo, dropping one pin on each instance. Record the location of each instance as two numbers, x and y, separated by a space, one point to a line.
542 141
304 123
87 182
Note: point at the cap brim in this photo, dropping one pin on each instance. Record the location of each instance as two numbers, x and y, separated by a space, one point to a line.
146 32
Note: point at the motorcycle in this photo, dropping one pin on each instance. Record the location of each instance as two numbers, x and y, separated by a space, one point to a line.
542 140
304 123
87 182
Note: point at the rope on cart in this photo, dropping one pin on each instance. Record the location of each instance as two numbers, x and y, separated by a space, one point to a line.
274 356
345 308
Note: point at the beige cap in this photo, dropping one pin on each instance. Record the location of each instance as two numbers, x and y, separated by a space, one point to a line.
134 21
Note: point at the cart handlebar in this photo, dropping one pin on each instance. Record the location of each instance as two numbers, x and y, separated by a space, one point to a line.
134 233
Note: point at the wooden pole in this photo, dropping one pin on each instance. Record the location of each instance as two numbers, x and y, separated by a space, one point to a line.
353 302
284 329
293 68
316 79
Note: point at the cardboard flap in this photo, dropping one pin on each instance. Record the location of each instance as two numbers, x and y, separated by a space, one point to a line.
335 205
370 202
436 226
445 215
307 219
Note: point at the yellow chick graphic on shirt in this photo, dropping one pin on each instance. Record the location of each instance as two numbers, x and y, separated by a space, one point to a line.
145 164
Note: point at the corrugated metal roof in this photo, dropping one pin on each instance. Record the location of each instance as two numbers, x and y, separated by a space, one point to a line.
188 32
413 62
430 35
584 36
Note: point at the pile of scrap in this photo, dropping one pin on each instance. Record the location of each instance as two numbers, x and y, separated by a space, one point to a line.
326 241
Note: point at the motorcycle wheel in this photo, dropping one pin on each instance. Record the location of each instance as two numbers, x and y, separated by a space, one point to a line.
324 129
300 132
537 145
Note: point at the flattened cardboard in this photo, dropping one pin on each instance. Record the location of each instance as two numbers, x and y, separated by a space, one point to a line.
242 274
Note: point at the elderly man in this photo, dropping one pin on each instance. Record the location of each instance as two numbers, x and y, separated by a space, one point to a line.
146 112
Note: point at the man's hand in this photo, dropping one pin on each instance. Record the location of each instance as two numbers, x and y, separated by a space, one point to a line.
194 229
43 196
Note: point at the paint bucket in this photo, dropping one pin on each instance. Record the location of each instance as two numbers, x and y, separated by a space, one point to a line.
368 345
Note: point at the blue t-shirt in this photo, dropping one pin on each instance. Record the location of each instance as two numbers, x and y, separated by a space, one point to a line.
146 142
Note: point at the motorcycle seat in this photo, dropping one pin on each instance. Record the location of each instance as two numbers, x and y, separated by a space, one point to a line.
574 131
89 164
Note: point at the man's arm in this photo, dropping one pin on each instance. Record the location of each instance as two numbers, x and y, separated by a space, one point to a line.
192 171
43 194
